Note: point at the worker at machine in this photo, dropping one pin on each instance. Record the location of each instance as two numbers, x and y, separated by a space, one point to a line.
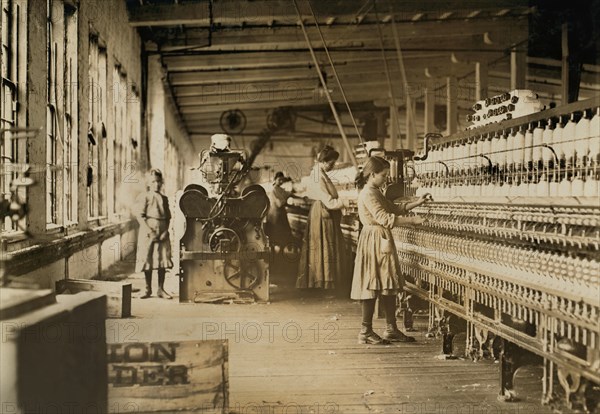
323 262
154 245
277 226
376 267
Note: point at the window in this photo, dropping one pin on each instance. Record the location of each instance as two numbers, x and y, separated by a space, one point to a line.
96 172
61 115
101 162
134 172
120 128
71 122
52 130
12 151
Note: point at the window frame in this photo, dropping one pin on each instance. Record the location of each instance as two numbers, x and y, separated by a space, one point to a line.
12 146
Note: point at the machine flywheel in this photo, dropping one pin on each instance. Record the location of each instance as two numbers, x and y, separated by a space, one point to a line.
241 274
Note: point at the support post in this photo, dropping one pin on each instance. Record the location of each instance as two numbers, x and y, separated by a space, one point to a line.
481 80
429 112
394 128
571 65
451 104
565 63
411 130
518 68
381 130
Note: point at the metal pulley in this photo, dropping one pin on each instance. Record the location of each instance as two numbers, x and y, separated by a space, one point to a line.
224 239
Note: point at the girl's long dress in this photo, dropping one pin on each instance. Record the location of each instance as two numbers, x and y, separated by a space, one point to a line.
153 254
277 226
376 267
323 259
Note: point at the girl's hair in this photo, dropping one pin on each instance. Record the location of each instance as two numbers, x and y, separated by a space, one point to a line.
373 165
154 173
328 154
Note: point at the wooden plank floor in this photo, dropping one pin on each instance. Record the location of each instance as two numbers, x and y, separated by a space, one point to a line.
299 354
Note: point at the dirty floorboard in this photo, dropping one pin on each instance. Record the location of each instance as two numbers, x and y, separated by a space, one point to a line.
299 354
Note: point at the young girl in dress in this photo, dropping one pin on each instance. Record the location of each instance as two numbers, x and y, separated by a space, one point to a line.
376 268
154 245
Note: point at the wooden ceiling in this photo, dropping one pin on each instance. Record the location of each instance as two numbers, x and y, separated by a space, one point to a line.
252 55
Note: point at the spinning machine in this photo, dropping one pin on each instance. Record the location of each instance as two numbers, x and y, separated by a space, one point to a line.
512 243
223 253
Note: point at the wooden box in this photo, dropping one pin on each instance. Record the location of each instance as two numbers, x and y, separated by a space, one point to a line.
54 357
168 377
118 294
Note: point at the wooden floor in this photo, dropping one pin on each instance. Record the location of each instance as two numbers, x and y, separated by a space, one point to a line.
299 354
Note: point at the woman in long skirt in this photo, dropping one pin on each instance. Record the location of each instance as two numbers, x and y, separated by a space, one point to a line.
376 268
323 261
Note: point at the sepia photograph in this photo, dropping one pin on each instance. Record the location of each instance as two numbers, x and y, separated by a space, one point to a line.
300 206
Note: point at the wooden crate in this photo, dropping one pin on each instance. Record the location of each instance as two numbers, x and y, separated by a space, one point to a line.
118 294
168 377
53 357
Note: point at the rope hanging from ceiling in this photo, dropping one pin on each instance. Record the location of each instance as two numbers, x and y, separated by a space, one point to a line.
387 74
324 85
337 79
411 114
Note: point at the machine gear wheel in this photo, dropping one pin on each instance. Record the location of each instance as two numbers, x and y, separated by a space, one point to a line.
241 274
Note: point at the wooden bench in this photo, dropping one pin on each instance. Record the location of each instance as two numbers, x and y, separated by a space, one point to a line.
118 294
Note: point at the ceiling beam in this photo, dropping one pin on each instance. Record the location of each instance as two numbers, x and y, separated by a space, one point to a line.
272 87
291 96
307 104
348 74
169 14
367 90
249 60
250 95
301 59
258 121
265 12
335 33
281 75
363 91
218 104
459 43
248 105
